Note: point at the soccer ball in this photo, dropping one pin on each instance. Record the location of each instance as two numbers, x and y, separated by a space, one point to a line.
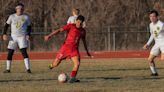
62 78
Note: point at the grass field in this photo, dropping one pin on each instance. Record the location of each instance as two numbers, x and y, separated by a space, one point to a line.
100 75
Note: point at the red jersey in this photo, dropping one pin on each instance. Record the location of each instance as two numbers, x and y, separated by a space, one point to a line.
70 47
74 35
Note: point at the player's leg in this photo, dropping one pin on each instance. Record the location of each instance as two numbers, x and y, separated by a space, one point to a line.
62 54
162 56
76 64
55 63
152 64
9 60
23 45
26 59
153 54
162 53
11 48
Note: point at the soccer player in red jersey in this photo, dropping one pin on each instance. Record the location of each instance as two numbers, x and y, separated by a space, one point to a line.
71 45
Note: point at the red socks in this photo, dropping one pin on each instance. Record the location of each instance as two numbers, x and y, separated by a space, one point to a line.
73 73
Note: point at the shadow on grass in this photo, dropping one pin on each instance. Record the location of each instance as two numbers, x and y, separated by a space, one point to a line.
128 78
86 80
89 79
104 78
26 80
134 69
154 78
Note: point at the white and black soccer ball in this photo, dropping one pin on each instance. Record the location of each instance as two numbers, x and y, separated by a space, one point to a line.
62 78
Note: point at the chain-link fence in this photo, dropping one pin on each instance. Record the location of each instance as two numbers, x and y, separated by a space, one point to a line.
109 38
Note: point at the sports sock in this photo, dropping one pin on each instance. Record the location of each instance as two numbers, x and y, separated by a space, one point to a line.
153 69
73 74
8 64
27 63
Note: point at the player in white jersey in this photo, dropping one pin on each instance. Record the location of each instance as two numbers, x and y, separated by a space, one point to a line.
20 33
157 35
72 19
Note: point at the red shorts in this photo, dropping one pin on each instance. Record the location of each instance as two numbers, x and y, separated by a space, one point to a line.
67 52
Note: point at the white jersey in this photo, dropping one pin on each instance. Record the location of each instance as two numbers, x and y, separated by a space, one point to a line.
157 33
72 20
18 24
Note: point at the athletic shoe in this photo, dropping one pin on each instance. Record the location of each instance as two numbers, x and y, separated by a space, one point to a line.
154 74
6 71
50 66
28 71
73 80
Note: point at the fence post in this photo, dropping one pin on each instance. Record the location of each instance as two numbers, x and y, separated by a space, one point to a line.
114 41
108 39
29 43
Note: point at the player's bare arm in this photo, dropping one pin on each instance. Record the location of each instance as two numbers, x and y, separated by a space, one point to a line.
47 37
145 46
85 45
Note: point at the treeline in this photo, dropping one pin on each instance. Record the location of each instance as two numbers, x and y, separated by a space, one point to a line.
53 13
120 15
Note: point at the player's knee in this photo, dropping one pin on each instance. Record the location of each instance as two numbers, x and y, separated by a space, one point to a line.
24 53
162 58
150 59
10 54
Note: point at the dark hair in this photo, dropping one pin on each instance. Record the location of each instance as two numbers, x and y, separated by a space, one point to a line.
81 18
155 12
20 4
78 11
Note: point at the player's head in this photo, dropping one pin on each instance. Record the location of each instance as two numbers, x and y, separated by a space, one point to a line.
79 21
19 8
75 11
153 15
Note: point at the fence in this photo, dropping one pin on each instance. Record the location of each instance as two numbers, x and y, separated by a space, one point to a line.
109 38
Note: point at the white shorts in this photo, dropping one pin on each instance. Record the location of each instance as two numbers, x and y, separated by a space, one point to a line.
20 42
157 49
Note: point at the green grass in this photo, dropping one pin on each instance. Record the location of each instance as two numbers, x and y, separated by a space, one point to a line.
101 75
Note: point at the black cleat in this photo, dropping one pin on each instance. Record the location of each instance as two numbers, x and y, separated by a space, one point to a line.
73 80
28 71
154 74
6 71
50 66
